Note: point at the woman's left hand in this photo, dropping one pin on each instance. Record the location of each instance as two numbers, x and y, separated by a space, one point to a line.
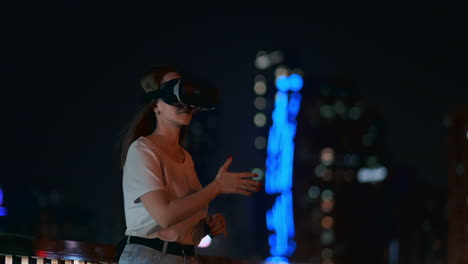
217 223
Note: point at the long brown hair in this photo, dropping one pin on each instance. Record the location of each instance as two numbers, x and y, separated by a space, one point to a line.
144 122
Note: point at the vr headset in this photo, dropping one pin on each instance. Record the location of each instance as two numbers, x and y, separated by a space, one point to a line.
182 93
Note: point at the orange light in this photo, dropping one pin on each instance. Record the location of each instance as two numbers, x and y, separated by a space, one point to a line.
327 206
327 222
327 156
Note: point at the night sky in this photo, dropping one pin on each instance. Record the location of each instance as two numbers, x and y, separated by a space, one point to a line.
70 78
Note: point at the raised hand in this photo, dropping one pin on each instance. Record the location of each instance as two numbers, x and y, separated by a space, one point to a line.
236 182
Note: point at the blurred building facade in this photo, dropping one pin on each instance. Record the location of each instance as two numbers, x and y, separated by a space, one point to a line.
458 186
342 200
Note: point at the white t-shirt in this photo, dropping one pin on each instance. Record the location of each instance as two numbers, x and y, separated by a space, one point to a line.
148 168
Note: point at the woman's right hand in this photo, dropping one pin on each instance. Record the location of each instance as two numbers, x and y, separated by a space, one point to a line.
236 182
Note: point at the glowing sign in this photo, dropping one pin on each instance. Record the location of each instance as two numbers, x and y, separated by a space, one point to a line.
279 167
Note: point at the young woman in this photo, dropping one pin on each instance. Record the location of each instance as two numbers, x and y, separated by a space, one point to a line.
165 204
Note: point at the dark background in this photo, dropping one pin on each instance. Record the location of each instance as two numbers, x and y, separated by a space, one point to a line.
70 81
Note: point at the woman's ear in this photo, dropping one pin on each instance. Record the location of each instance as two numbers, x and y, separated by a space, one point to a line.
156 109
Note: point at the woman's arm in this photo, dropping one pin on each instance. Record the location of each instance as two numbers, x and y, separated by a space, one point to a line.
169 212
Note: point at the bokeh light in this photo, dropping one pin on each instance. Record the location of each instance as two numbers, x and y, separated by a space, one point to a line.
262 62
327 156
327 195
281 71
282 83
355 112
327 222
260 87
295 82
366 175
314 192
327 237
259 172
327 206
339 107
276 57
326 111
260 119
260 142
320 170
260 103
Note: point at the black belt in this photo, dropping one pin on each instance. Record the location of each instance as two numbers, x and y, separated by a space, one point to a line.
173 248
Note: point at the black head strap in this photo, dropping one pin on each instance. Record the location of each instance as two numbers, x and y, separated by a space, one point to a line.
153 95
166 89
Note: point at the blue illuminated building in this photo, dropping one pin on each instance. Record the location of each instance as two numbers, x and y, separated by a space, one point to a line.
279 167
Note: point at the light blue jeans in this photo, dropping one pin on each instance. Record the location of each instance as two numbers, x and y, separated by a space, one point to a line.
139 254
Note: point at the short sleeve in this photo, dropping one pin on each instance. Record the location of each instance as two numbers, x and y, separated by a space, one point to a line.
142 172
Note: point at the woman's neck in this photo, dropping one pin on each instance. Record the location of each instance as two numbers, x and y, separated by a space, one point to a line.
167 138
